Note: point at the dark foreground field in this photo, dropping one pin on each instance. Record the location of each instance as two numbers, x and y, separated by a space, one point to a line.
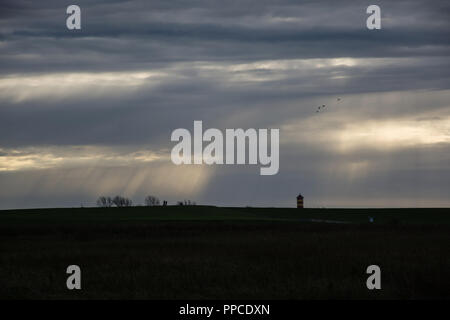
224 253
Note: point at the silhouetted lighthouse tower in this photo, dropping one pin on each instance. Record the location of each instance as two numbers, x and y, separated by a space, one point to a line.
300 201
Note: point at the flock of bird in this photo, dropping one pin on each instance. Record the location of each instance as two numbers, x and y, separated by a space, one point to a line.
322 107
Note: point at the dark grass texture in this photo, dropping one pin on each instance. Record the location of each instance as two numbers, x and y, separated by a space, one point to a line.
224 253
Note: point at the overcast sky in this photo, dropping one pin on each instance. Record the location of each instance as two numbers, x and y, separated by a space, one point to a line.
90 112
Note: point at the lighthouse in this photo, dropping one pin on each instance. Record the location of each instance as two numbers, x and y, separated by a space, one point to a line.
300 201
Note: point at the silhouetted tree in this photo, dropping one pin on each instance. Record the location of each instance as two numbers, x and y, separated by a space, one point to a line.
105 202
122 201
151 201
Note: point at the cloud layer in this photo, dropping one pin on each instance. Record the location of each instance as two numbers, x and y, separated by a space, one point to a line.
90 112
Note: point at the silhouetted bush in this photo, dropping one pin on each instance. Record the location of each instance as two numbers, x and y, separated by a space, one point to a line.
186 203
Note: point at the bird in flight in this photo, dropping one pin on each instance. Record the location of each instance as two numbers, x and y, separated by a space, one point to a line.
320 108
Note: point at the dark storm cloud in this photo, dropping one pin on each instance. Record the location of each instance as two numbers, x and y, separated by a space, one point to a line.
135 34
149 113
196 43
